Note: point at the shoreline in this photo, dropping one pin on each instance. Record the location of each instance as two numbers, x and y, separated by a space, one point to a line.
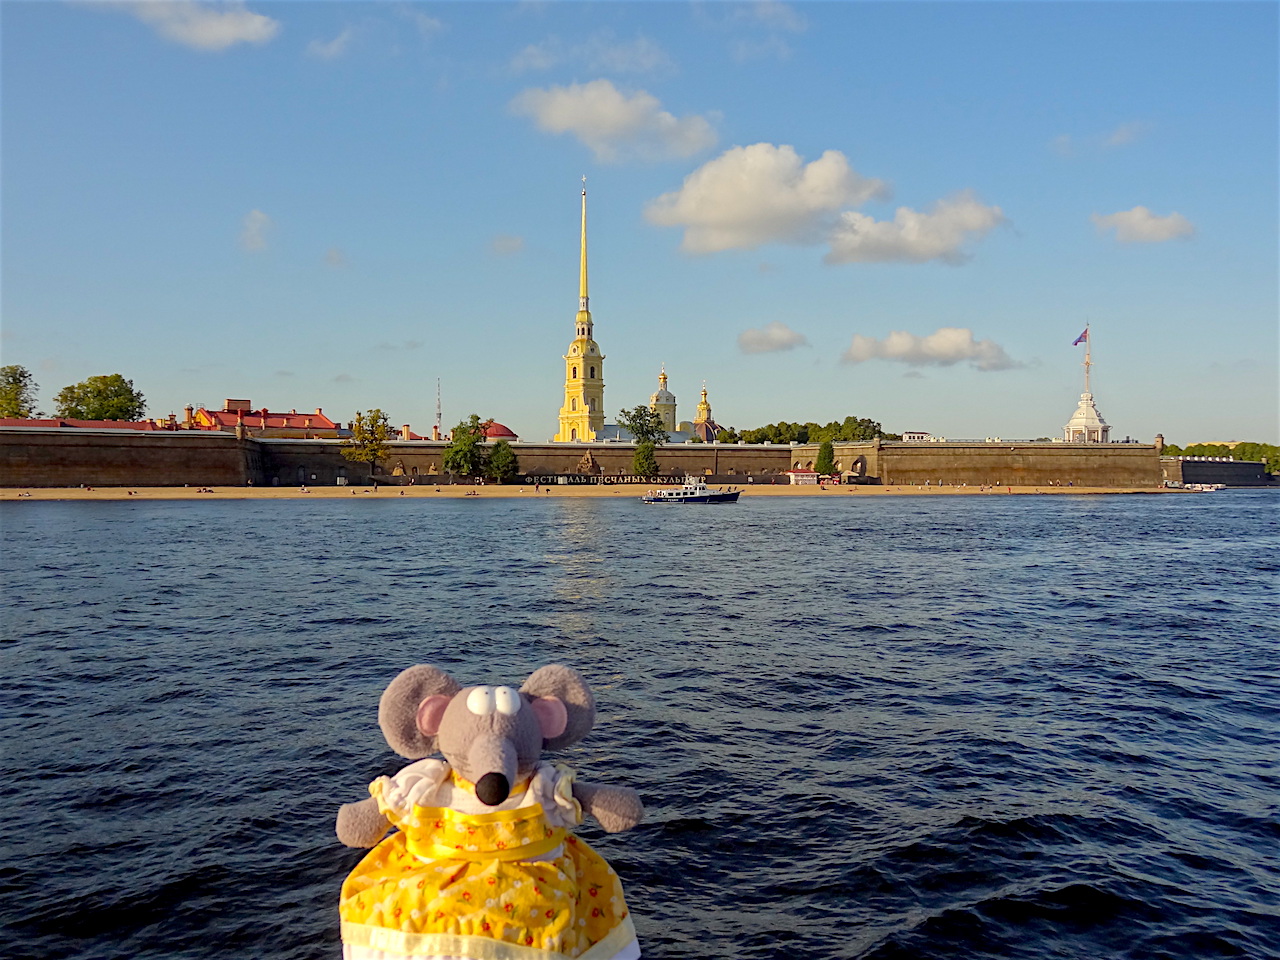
460 491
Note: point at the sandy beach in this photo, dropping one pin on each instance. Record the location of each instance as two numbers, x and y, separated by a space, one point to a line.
427 491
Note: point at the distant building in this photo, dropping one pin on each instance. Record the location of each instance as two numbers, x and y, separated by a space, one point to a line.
240 415
916 436
497 431
582 416
704 426
1086 424
663 403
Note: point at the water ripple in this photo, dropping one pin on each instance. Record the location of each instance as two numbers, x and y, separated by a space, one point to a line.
878 729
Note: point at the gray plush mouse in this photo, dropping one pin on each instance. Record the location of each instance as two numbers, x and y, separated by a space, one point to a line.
483 863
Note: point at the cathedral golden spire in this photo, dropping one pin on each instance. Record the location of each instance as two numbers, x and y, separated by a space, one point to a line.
582 415
584 310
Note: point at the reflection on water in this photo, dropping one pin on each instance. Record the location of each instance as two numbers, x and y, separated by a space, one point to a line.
876 728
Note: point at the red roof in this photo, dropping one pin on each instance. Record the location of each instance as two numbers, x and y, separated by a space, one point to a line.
265 419
499 431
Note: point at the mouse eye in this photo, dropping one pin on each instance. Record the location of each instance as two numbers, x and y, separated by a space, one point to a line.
480 701
507 701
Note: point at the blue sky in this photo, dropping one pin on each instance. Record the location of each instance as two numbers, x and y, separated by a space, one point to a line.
903 211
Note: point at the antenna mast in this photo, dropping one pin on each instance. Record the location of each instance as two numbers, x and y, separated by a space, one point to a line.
437 406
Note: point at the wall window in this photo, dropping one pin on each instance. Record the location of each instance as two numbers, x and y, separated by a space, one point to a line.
574 375
593 372
573 404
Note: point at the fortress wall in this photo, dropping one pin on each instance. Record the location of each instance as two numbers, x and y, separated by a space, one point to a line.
66 457
1233 473
1121 465
324 460
62 457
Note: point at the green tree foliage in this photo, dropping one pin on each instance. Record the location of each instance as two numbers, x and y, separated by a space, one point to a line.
728 436
826 458
850 429
368 441
109 397
645 462
464 456
17 392
1268 453
645 425
503 464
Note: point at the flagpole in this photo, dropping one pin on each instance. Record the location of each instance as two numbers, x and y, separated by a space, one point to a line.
1088 345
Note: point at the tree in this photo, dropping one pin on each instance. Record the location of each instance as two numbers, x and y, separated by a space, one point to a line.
17 392
503 464
728 436
645 425
464 456
645 463
826 464
109 397
368 441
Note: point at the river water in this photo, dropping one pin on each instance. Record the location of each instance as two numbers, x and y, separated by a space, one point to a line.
913 727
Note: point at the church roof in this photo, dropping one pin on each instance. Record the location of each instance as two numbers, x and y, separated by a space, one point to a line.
1086 414
499 431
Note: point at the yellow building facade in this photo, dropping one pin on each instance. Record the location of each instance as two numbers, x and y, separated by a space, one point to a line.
582 416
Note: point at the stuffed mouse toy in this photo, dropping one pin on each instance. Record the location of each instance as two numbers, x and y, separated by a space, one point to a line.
483 865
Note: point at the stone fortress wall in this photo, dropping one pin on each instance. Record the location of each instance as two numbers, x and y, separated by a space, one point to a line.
64 457
35 457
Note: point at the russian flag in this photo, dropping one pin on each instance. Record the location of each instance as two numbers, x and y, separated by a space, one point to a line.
1081 339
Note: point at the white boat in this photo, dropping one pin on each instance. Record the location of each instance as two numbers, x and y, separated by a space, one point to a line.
693 490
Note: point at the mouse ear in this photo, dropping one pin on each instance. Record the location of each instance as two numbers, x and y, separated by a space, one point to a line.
566 685
399 710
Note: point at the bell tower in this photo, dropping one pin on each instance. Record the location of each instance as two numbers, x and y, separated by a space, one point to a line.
582 416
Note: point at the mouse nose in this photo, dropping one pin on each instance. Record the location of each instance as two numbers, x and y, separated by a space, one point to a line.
493 788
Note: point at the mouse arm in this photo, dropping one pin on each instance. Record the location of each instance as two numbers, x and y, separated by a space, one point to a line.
616 808
361 824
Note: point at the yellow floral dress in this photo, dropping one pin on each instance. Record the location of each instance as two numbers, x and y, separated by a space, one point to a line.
462 881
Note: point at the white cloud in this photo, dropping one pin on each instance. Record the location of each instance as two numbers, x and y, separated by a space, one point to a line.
943 348
1140 225
1127 133
328 50
428 26
202 26
538 56
640 55
610 123
913 236
771 338
772 15
1062 145
506 245
1065 145
601 53
253 232
757 30
750 196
